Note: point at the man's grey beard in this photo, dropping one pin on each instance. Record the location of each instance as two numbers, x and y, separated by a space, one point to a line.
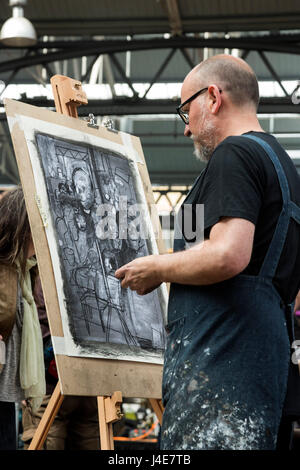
203 152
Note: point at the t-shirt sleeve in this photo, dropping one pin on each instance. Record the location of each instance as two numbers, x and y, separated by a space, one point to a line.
232 186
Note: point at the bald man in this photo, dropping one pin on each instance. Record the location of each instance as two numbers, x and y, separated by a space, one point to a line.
228 353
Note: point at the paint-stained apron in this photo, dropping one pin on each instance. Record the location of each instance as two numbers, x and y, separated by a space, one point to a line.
228 353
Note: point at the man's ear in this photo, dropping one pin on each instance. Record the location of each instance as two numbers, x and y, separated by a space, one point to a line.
215 99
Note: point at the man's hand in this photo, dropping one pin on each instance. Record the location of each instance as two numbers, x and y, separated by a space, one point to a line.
142 274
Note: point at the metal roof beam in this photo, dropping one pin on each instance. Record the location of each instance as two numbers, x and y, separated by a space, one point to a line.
73 49
126 79
187 57
144 25
160 71
121 106
272 71
174 18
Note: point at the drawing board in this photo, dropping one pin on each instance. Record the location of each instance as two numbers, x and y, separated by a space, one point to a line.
78 183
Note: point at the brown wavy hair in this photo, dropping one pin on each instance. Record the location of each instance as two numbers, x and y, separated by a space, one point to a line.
15 233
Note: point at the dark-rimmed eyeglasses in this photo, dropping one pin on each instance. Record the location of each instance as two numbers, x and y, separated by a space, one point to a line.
184 114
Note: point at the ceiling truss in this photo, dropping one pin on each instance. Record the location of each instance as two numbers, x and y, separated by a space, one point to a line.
48 57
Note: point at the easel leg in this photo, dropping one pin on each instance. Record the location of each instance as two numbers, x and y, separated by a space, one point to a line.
105 440
47 419
109 412
158 408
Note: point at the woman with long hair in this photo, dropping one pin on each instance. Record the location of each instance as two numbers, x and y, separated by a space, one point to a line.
23 374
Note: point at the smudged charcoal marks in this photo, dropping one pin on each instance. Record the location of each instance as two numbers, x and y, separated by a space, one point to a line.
80 179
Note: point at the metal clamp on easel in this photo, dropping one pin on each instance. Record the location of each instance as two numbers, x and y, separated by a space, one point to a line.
109 124
91 121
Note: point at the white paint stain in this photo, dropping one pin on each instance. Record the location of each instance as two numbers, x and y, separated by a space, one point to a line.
221 426
193 385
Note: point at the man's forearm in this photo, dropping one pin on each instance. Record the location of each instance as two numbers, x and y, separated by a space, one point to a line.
203 264
225 254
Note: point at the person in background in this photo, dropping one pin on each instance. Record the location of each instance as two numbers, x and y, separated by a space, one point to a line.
76 425
22 375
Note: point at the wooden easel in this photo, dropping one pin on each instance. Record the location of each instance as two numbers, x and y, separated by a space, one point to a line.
68 95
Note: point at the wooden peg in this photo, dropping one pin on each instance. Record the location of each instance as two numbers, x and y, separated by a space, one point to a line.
113 407
68 95
109 409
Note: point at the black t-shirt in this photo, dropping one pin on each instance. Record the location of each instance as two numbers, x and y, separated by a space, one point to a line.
240 181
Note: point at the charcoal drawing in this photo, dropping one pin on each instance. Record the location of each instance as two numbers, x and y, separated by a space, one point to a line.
79 180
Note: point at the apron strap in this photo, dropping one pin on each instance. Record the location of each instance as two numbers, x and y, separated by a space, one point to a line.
294 212
289 209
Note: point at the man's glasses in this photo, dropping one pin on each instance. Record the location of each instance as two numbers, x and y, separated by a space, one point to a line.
184 114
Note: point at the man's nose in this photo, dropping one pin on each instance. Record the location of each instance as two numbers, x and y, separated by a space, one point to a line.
187 131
